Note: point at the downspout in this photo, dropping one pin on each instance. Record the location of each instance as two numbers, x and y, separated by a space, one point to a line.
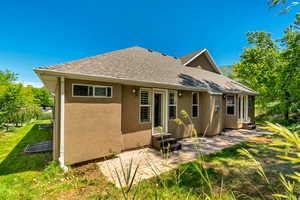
62 125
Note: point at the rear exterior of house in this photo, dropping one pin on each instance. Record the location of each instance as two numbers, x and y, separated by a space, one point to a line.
97 116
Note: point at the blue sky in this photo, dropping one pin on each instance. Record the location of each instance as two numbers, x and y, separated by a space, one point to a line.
39 33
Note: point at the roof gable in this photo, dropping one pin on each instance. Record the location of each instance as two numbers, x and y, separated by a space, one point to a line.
188 57
202 59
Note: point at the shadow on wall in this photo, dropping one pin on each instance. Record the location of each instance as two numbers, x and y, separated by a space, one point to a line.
17 161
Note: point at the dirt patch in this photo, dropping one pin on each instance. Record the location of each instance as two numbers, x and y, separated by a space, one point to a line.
84 181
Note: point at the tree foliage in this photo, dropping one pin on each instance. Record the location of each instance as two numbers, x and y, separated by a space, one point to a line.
7 77
43 97
291 4
273 67
19 104
15 106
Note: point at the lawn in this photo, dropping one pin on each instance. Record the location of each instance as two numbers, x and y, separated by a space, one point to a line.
24 176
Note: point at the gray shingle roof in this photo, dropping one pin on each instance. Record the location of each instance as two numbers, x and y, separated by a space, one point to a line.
139 64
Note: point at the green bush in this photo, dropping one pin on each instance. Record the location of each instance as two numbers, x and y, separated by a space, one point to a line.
45 116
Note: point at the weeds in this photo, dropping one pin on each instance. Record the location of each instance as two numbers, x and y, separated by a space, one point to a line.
126 178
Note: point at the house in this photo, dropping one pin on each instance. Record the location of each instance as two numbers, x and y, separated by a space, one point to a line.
116 101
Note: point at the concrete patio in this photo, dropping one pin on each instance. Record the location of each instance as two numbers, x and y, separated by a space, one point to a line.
150 162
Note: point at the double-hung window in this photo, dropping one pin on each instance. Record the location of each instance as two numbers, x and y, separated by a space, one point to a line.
145 106
92 91
230 105
195 104
172 106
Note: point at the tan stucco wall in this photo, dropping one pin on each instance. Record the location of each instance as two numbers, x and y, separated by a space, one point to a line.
135 134
231 121
184 103
92 125
56 122
130 111
202 62
209 122
136 139
212 120
97 127
252 109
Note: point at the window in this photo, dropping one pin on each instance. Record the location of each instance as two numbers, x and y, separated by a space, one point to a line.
172 105
145 106
195 104
102 91
230 105
82 90
92 91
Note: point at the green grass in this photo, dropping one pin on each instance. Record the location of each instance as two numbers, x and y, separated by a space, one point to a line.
24 176
16 168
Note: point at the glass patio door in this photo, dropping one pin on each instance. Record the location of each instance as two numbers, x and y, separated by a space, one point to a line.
159 117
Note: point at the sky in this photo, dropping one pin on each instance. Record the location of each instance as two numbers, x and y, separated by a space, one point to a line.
37 33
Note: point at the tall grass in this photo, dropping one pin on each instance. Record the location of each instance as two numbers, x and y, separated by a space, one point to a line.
288 149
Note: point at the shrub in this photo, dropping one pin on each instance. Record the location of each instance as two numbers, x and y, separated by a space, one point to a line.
45 116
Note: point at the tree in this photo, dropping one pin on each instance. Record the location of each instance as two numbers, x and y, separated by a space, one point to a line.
7 77
43 97
257 67
15 107
11 103
290 74
271 70
292 4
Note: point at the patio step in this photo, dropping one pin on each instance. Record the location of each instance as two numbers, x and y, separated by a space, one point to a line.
165 142
172 147
249 126
161 135
158 143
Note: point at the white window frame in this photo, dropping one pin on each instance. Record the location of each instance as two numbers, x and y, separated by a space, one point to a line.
195 117
175 101
148 105
94 86
229 104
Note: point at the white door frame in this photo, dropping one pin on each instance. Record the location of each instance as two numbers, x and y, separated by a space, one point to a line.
243 108
164 110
